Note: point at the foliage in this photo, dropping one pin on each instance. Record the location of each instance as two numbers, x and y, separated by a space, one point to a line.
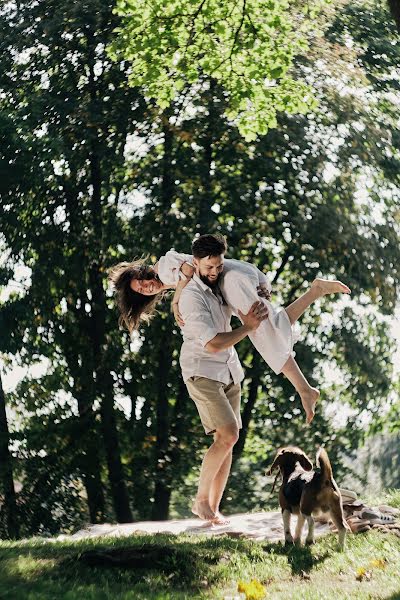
247 48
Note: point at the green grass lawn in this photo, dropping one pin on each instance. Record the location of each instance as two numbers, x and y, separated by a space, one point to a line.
199 567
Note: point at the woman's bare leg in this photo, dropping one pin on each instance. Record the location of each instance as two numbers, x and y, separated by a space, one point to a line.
308 394
319 288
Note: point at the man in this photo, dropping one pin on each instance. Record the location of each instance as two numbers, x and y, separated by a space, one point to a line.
211 368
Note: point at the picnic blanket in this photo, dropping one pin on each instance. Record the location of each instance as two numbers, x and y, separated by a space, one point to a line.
257 526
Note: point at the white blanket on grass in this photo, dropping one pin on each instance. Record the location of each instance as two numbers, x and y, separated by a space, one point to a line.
257 526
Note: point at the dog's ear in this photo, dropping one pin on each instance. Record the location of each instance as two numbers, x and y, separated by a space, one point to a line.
305 462
277 462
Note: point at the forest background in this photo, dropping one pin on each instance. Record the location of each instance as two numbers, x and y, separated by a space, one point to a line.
111 149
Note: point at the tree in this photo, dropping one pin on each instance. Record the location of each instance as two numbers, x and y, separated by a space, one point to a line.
9 505
64 149
394 6
247 48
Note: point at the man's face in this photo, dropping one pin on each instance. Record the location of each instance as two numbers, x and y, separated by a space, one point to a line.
209 269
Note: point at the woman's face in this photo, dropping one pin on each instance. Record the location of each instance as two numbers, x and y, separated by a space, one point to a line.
147 287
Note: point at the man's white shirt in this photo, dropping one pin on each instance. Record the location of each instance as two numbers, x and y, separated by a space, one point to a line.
205 315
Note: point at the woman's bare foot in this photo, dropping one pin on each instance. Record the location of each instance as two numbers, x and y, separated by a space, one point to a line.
203 510
309 399
325 286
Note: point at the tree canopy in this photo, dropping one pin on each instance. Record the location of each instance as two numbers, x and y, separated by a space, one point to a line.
247 47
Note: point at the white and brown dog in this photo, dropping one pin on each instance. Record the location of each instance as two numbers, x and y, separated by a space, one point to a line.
306 492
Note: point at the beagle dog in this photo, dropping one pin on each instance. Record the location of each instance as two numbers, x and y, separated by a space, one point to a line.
307 492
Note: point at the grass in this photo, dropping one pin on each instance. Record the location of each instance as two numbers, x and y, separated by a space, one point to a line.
204 568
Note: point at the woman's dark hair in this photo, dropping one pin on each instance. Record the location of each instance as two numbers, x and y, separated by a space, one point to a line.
133 307
210 244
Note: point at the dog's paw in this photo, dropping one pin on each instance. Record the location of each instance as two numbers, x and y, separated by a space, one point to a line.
310 542
297 541
289 542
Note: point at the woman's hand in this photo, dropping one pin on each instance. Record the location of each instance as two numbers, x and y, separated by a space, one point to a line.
188 270
263 291
177 314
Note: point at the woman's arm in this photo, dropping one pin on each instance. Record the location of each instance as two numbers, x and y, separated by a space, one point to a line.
186 274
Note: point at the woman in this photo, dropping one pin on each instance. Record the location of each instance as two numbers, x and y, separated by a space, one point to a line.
139 287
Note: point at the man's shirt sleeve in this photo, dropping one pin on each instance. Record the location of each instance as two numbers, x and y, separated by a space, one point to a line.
197 317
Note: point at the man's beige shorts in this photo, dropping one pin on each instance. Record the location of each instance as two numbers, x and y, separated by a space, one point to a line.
218 404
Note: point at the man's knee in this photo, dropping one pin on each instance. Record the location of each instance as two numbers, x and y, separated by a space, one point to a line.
228 435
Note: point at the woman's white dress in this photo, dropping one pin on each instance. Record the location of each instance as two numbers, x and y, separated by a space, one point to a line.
274 337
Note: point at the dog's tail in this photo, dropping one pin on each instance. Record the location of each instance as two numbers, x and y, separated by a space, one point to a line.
324 464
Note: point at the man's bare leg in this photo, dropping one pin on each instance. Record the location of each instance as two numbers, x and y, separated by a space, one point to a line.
308 394
319 288
212 463
218 487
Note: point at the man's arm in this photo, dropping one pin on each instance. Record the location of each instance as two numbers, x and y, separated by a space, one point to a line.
199 324
257 313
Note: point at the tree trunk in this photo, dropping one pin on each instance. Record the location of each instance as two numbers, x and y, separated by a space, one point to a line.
394 7
246 415
167 186
105 392
90 462
205 214
248 408
162 490
83 391
6 472
162 497
104 381
119 490
162 476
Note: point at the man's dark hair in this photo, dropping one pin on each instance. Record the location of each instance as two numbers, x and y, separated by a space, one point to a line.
210 244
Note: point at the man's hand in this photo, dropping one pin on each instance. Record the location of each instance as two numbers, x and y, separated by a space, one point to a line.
257 313
263 291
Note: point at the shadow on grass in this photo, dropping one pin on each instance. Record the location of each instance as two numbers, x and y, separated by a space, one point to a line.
118 564
300 558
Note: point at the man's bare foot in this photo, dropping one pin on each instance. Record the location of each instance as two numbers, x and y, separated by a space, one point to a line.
325 286
220 519
309 400
202 509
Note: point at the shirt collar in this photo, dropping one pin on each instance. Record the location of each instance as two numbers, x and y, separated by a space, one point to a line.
201 283
206 288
